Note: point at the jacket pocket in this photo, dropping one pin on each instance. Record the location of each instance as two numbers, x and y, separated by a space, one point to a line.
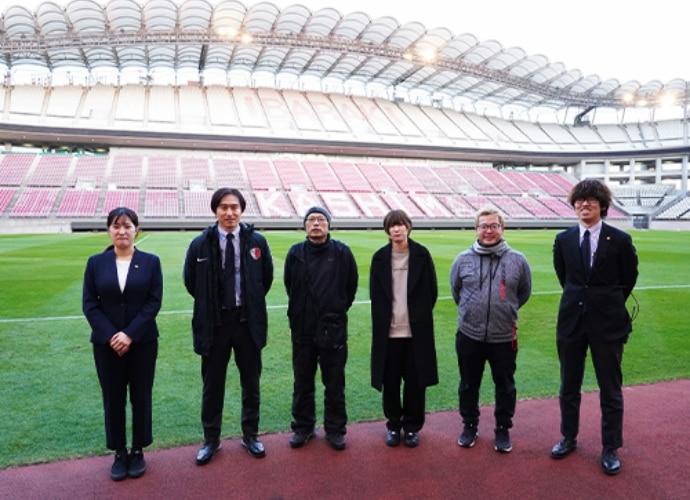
332 331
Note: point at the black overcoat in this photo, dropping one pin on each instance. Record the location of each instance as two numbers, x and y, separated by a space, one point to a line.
422 292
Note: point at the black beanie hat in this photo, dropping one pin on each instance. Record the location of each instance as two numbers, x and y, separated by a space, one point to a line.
318 210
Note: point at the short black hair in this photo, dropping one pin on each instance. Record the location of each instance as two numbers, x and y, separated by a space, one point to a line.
116 213
221 193
395 217
592 188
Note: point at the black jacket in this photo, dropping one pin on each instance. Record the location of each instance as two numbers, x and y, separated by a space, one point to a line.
133 310
422 292
320 315
203 275
601 294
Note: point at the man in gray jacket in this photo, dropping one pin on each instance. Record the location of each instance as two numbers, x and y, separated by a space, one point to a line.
490 281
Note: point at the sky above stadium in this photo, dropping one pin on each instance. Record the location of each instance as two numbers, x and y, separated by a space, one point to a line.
610 38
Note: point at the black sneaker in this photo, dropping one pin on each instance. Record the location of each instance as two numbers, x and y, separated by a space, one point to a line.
468 436
136 465
502 443
337 441
299 439
119 469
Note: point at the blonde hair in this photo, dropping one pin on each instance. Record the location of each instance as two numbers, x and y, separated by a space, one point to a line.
489 210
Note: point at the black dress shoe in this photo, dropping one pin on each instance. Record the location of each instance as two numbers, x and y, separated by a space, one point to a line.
393 438
205 453
254 446
337 441
411 439
610 461
299 439
563 448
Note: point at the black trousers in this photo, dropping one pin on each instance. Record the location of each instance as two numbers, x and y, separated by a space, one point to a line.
232 335
400 366
472 356
606 358
135 370
305 358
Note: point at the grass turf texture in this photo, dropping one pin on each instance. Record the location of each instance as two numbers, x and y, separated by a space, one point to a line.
51 403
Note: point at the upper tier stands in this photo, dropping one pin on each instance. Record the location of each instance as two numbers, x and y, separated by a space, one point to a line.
311 115
180 187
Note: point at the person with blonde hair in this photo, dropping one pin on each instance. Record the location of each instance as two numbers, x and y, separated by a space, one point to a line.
490 282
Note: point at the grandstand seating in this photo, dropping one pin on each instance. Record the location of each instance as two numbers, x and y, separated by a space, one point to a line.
305 114
172 187
78 203
35 202
89 171
162 172
121 198
679 210
14 167
51 170
161 203
284 186
6 195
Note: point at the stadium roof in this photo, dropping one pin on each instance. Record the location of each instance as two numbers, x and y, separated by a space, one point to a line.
404 59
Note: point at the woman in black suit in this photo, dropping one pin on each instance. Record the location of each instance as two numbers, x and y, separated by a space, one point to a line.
123 290
403 292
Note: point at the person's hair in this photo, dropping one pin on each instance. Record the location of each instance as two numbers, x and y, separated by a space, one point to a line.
395 217
592 188
221 193
117 213
483 212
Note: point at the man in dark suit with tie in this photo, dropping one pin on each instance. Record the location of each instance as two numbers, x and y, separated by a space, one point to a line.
596 265
229 270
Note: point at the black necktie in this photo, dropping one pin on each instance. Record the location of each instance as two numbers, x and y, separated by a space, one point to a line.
586 251
229 273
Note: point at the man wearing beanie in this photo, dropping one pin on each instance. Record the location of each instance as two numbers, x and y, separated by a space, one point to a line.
321 281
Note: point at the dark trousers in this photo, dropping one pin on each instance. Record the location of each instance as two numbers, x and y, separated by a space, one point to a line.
472 356
400 366
305 357
606 358
135 370
231 335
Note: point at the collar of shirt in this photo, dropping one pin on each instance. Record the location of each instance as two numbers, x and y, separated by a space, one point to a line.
223 235
223 240
594 233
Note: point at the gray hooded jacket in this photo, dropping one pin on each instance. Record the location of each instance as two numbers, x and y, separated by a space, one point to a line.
489 285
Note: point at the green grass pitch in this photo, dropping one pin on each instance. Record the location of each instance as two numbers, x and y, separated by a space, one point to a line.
50 405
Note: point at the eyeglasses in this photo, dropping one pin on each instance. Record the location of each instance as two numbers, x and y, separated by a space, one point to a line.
320 220
486 227
591 200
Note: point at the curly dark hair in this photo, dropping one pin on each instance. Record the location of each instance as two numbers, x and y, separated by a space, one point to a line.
592 188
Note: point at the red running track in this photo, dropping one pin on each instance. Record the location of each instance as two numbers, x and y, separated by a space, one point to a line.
655 462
